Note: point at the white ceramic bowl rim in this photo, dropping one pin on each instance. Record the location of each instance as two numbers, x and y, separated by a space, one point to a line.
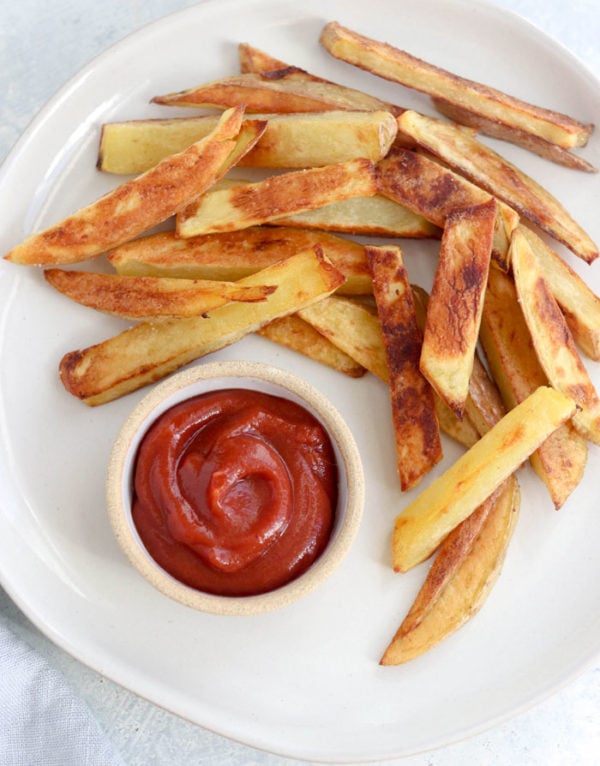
215 376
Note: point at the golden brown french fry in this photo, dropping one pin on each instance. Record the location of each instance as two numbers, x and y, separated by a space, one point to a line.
456 302
296 334
560 460
256 203
521 138
229 256
282 91
289 140
375 216
484 167
552 339
352 327
151 350
148 298
433 191
579 303
447 501
144 201
399 66
416 428
460 578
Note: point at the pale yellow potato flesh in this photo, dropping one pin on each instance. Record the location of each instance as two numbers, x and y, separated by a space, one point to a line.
424 523
302 140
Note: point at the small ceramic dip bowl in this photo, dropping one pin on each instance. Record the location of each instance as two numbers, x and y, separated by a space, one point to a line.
227 376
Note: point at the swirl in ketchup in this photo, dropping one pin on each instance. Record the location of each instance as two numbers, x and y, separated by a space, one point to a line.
235 491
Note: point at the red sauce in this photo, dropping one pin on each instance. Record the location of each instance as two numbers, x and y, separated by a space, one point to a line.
235 491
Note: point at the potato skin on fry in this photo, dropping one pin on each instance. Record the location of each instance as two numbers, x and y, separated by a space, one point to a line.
399 66
141 203
461 576
416 428
147 298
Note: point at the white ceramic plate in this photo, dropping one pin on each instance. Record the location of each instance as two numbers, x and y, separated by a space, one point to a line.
304 681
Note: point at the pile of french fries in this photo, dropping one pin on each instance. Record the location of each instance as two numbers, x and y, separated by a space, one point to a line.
272 257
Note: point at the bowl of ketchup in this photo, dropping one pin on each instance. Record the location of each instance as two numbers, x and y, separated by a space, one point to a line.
235 488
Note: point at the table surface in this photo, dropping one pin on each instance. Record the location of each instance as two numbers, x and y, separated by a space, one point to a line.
42 45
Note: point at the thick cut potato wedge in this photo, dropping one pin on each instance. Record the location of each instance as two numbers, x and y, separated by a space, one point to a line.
521 138
256 203
456 302
416 428
151 350
446 502
579 303
375 216
399 66
289 141
145 201
560 460
233 255
296 334
552 339
484 167
148 298
431 190
280 92
461 576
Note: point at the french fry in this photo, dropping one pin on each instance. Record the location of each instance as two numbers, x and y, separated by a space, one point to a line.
579 304
233 255
447 501
352 327
460 578
282 92
521 138
560 460
149 351
289 140
552 339
144 201
296 334
148 298
470 558
375 216
257 203
456 302
416 428
399 66
484 167
462 430
433 191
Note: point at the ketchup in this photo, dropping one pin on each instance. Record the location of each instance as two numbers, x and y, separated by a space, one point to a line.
235 491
